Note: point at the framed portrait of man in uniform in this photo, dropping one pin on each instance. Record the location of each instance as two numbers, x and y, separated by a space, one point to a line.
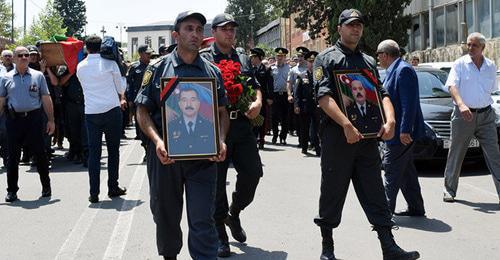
361 102
190 117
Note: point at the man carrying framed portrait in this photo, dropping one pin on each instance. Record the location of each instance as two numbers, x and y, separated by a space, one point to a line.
346 154
168 177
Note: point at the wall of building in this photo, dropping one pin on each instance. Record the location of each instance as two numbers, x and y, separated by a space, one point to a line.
141 39
436 32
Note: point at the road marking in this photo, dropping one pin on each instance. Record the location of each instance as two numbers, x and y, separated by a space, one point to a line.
77 235
120 234
481 190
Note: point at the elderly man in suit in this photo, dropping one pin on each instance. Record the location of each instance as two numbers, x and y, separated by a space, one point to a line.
191 133
400 173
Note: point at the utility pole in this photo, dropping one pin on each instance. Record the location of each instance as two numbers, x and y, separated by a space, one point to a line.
24 18
12 24
251 17
103 31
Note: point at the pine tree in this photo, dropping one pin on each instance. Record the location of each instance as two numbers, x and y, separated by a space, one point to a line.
74 15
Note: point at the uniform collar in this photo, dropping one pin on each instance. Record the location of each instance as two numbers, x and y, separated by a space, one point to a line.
177 61
217 51
346 50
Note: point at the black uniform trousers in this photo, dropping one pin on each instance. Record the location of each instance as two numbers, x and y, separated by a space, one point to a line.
401 173
342 162
26 129
260 131
77 132
167 184
243 153
305 121
280 109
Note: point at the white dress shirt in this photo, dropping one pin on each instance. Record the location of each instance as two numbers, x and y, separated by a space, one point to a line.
101 82
474 85
362 108
186 123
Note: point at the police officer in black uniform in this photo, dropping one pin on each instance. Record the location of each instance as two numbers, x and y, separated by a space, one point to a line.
345 154
134 80
241 143
169 178
305 104
74 111
263 75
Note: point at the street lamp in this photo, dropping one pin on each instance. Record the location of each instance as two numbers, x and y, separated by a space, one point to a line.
121 26
103 31
251 17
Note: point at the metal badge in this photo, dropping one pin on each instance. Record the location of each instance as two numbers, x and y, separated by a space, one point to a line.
146 78
318 73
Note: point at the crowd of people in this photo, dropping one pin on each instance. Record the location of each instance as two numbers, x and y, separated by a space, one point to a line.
41 105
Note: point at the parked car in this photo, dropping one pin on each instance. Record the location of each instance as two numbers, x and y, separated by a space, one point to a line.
437 106
446 66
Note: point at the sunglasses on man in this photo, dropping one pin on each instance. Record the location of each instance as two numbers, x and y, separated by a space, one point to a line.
25 55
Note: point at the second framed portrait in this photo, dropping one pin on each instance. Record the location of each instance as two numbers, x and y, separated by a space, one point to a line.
190 118
360 100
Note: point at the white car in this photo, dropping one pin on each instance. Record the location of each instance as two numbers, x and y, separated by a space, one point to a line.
446 66
496 99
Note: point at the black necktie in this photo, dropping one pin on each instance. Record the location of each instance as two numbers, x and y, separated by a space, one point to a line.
363 111
190 128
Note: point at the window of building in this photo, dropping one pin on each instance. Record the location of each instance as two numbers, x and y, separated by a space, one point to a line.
161 41
470 17
416 33
451 24
483 14
496 18
426 30
135 42
147 40
439 26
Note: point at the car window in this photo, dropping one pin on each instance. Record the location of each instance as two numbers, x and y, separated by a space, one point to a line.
431 84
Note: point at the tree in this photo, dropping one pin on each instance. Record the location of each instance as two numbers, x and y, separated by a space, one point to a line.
5 19
383 20
47 24
263 12
74 15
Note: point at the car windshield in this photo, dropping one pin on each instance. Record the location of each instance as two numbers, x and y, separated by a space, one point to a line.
431 84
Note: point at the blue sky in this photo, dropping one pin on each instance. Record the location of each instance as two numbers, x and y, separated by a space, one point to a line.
113 13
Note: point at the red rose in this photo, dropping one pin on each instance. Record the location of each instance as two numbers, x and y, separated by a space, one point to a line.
227 77
238 88
236 67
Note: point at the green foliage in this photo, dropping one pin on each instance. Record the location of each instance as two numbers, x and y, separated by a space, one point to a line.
267 50
384 19
264 12
74 15
5 19
47 24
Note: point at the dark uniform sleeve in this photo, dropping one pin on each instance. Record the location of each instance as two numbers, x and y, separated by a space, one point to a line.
146 95
221 91
297 95
270 83
323 78
130 82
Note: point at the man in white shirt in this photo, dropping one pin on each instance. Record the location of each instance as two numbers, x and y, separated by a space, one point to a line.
470 83
103 91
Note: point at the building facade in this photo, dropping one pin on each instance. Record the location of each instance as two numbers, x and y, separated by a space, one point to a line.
282 32
437 34
154 35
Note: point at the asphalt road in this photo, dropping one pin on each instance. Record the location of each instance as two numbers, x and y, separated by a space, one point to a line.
278 223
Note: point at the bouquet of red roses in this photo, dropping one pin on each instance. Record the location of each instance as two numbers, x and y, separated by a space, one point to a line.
239 91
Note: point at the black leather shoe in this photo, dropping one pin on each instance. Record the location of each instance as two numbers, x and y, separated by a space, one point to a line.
170 257
327 254
11 197
117 192
94 199
409 213
282 141
236 230
224 250
275 139
46 192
